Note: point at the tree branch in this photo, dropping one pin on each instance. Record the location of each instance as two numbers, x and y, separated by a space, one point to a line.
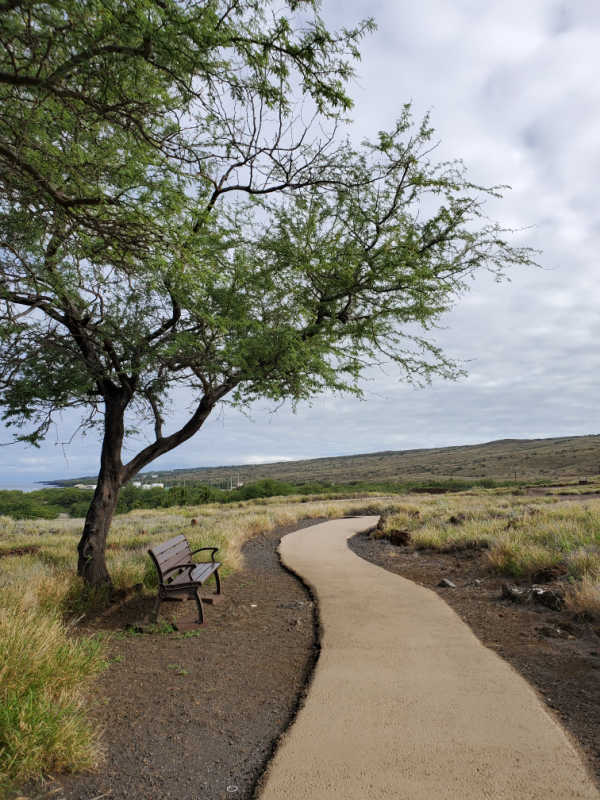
61 198
164 444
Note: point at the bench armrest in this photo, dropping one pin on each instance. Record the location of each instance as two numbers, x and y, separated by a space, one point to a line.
212 555
179 566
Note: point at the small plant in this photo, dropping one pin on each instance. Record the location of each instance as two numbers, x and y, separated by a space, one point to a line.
178 669
162 627
191 634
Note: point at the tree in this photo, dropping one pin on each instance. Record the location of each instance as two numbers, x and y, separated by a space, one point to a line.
178 209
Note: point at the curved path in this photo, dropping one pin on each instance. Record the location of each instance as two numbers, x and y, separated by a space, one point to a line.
405 702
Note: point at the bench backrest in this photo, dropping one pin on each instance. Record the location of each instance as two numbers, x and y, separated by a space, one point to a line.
170 554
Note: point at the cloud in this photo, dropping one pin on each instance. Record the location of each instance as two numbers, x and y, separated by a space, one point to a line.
262 459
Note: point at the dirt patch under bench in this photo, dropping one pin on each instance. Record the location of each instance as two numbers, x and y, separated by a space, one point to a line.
556 652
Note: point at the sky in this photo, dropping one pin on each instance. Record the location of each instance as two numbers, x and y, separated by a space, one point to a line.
513 90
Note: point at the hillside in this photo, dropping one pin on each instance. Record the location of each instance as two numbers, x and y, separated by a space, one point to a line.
564 458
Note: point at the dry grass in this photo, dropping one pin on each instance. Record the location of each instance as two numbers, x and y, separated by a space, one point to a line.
523 535
584 597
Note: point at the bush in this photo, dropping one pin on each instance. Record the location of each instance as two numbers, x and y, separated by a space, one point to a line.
264 488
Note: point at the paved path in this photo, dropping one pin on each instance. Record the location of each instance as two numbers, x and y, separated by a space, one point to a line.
405 702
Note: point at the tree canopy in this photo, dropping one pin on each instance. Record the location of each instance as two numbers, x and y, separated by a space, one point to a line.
179 207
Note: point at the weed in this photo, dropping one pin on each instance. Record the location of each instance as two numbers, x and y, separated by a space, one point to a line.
178 669
191 634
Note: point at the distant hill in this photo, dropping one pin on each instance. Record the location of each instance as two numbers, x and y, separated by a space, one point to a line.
524 459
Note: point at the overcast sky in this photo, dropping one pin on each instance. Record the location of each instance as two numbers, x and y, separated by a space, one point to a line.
513 90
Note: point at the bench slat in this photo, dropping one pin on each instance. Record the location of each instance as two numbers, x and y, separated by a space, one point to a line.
204 571
176 540
174 557
176 547
198 575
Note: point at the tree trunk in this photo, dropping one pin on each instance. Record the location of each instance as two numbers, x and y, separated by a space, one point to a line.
91 564
113 474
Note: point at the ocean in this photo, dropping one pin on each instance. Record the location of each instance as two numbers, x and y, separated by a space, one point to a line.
23 486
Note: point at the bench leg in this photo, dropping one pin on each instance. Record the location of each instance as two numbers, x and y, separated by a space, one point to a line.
154 615
218 581
199 606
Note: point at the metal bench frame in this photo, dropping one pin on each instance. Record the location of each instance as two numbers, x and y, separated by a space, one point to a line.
173 559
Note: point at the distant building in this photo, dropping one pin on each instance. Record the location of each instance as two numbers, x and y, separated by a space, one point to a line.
152 486
85 486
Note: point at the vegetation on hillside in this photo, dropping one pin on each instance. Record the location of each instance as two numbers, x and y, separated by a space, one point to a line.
52 503
566 458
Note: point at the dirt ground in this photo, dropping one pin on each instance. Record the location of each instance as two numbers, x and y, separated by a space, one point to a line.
196 717
558 654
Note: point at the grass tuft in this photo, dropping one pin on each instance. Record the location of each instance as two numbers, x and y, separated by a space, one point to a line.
583 598
521 559
43 723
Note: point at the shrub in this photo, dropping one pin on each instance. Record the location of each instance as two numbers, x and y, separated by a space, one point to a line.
43 725
584 598
522 559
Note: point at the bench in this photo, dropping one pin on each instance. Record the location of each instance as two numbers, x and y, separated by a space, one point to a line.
179 576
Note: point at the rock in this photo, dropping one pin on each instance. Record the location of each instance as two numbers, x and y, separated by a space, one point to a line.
457 519
571 629
550 633
445 583
513 593
399 538
551 598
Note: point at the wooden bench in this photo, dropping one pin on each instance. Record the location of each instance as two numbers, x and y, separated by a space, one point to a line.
179 576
